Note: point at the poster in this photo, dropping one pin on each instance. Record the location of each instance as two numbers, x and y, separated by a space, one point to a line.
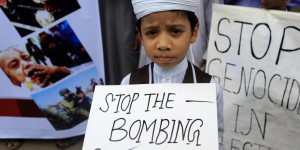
253 53
50 65
153 116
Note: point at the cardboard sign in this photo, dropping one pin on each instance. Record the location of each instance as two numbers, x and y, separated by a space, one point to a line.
254 54
153 116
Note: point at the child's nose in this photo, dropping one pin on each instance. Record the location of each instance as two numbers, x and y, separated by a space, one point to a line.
163 43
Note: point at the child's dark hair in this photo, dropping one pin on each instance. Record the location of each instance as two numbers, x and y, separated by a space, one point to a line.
188 14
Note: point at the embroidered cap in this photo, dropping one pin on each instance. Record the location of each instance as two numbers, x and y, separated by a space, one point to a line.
145 7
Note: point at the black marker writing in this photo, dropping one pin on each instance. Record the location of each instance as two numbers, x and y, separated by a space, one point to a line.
158 131
122 103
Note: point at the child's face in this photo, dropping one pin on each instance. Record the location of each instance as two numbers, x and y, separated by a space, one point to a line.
166 37
274 4
15 65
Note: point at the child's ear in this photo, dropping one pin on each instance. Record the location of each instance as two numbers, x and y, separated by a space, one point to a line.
137 40
194 33
139 34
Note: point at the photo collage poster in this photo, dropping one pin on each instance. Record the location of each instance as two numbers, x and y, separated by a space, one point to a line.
49 66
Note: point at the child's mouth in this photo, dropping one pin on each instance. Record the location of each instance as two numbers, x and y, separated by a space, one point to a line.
165 58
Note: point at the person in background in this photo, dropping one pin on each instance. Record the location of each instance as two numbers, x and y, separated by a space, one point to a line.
35 52
93 84
101 82
69 101
83 104
248 3
274 4
198 50
166 29
55 51
267 4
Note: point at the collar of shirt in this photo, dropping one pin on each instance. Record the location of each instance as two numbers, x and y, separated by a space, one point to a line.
173 75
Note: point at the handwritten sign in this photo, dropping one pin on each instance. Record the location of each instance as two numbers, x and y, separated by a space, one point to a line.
153 116
254 54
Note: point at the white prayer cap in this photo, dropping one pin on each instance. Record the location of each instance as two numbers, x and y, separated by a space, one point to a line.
145 7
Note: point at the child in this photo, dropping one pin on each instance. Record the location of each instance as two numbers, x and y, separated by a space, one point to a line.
166 29
198 50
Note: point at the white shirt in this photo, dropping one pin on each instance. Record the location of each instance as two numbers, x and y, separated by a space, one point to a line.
176 75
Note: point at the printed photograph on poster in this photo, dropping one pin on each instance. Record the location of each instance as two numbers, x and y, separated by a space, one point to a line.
68 103
45 58
27 16
58 72
17 106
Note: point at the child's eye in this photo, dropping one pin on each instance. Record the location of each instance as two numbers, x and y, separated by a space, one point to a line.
150 33
176 31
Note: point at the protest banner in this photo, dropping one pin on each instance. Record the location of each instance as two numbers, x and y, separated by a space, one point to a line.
160 116
49 65
253 53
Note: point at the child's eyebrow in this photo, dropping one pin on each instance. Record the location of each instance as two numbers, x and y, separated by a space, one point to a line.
176 25
150 27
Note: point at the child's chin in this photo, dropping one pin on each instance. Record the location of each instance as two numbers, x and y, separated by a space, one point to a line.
166 65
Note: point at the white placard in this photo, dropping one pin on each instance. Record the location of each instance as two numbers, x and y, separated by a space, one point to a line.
153 116
254 54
